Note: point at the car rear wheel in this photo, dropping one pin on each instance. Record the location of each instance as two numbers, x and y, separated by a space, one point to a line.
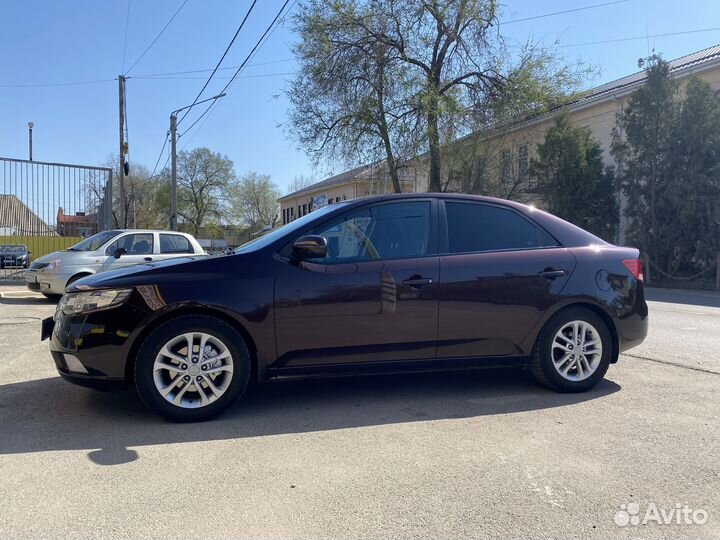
573 351
192 368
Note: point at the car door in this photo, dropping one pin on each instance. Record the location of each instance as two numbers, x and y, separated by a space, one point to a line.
373 298
499 272
172 246
139 248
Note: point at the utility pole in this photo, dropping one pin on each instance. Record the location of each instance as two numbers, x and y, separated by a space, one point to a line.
30 126
132 198
121 92
173 166
173 171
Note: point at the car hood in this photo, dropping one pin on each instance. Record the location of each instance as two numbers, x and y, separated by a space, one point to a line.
62 256
143 274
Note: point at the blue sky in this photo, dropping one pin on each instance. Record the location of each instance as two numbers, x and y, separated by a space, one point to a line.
47 42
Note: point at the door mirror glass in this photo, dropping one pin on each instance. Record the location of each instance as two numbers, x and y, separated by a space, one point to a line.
119 252
310 247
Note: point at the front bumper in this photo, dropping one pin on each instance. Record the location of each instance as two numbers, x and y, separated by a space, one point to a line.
45 282
92 349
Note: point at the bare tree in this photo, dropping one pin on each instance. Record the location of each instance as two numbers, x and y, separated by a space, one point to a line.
395 77
299 182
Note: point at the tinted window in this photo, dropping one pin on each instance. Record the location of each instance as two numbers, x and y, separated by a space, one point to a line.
174 243
133 244
384 231
479 227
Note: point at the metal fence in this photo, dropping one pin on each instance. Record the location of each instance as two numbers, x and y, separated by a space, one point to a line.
45 207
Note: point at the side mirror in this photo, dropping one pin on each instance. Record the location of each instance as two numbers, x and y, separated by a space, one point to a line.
29 252
118 252
310 247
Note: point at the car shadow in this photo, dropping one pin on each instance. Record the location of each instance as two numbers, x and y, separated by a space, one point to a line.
50 414
26 301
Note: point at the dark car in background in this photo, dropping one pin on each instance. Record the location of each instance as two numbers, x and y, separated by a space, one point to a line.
14 256
380 284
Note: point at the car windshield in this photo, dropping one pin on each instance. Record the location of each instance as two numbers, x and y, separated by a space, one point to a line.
13 248
95 241
289 228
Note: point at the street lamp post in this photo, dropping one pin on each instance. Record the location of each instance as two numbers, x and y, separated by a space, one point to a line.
173 165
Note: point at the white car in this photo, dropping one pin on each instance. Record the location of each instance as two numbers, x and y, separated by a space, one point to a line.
107 250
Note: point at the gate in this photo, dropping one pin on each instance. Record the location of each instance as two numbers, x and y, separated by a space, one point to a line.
46 207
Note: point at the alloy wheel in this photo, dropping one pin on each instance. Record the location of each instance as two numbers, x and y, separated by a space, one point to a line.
576 350
193 370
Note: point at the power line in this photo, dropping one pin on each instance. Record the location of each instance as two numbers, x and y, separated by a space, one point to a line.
152 175
145 75
258 44
74 83
618 40
127 23
156 37
216 78
563 12
192 136
227 49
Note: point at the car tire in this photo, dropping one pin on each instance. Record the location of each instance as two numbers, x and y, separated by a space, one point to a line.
584 365
173 392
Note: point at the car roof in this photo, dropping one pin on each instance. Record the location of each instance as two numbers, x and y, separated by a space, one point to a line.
467 196
567 233
152 231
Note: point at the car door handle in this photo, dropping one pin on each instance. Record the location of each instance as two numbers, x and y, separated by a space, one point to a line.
148 259
551 273
417 281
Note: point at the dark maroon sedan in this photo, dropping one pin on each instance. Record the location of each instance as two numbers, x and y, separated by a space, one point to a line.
388 283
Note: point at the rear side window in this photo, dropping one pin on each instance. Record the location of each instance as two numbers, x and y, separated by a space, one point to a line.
479 227
174 243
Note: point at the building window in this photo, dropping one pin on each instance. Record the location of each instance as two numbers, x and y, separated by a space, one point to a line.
523 163
506 166
304 209
344 197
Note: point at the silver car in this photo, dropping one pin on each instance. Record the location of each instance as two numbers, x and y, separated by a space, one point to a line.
107 250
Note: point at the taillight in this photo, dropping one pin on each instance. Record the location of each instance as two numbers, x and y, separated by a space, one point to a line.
635 267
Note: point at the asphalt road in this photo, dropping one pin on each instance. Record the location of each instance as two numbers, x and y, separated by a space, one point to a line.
481 455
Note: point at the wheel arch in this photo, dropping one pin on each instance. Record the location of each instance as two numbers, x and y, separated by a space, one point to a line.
79 275
258 366
595 308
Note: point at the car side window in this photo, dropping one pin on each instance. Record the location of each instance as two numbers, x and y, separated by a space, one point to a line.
383 231
174 243
133 244
473 227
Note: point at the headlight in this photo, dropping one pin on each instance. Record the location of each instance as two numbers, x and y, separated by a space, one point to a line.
81 302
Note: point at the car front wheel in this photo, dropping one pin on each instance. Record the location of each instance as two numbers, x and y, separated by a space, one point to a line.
573 351
192 368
